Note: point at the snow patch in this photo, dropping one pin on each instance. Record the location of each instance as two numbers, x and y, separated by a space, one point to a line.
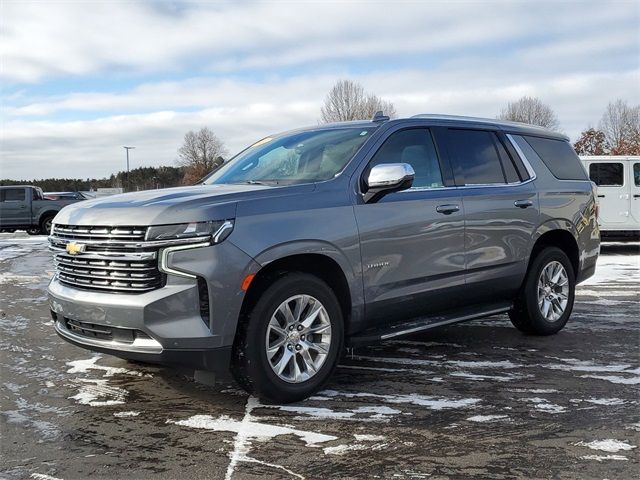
433 403
42 476
615 379
609 445
97 393
602 458
126 414
251 429
486 418
369 438
543 405
84 366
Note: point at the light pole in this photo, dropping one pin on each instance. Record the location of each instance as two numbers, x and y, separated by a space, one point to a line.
127 149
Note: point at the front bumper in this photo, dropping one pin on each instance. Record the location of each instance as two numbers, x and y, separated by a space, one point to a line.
165 325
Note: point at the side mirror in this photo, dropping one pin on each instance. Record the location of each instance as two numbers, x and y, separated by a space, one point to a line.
386 178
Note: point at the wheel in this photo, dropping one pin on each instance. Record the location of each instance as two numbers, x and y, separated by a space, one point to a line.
45 224
546 299
289 344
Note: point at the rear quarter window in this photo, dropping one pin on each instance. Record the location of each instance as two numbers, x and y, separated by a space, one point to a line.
559 157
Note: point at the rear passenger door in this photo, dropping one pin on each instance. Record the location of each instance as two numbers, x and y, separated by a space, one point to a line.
15 207
501 211
613 193
411 242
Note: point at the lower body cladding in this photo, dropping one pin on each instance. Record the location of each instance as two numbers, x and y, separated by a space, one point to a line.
173 324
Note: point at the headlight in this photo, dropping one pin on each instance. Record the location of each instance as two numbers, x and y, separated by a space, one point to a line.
217 231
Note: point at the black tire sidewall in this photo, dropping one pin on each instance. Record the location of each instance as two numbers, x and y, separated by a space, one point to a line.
265 381
43 229
536 322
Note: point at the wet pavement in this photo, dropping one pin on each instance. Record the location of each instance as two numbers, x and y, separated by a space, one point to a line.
474 400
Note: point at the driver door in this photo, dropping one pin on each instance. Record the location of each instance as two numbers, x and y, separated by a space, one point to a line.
412 241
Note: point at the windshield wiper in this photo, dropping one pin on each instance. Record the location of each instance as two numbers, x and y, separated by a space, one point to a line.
257 182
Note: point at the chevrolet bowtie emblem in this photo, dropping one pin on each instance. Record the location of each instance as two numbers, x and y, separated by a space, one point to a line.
74 248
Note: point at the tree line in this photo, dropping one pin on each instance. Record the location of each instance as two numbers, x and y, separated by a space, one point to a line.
142 178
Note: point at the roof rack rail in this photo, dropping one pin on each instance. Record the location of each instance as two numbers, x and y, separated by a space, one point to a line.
380 117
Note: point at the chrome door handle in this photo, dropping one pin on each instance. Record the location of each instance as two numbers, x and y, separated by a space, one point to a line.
523 203
447 209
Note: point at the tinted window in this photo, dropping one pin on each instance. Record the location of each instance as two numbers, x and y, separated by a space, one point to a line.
507 163
636 174
559 157
607 174
415 147
13 195
474 157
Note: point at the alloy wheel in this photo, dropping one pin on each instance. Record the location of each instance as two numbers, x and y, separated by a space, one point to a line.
298 338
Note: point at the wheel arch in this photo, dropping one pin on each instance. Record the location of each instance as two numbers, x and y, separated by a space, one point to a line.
325 264
561 234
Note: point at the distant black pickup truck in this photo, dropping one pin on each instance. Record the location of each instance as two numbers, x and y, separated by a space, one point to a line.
24 207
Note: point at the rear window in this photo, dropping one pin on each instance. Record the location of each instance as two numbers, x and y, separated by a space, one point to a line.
475 157
607 174
559 157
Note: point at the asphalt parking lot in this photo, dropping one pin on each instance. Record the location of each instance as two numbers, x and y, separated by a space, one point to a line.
475 400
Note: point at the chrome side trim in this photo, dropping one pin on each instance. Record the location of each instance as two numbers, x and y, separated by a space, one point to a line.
445 322
163 263
139 345
525 161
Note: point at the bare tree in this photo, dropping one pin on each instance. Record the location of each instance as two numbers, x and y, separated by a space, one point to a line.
621 126
591 142
347 101
530 110
200 153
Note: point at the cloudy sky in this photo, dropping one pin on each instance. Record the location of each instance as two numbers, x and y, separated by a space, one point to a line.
81 79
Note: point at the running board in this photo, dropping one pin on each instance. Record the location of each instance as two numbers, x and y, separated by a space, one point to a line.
374 335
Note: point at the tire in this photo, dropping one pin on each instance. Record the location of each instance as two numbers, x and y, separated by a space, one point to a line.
33 231
528 313
265 325
45 224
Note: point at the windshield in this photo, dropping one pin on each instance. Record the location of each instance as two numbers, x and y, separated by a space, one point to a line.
301 157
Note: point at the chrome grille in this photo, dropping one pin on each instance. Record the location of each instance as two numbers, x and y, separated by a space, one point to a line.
78 232
115 259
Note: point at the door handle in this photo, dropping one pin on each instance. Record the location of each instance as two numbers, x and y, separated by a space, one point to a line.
523 203
600 196
447 209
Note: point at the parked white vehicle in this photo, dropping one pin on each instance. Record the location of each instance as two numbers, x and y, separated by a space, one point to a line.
618 181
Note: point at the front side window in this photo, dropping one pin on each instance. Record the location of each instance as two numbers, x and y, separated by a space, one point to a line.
636 174
474 157
607 174
415 147
300 157
13 195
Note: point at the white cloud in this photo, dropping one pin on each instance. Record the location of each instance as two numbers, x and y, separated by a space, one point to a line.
247 70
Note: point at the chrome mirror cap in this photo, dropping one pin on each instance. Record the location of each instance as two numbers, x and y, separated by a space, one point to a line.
386 178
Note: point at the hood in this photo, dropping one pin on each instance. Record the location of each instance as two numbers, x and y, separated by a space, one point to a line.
172 205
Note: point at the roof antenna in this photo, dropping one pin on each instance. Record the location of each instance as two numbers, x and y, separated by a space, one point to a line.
380 117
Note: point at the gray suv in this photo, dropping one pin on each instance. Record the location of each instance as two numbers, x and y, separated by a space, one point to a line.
325 237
